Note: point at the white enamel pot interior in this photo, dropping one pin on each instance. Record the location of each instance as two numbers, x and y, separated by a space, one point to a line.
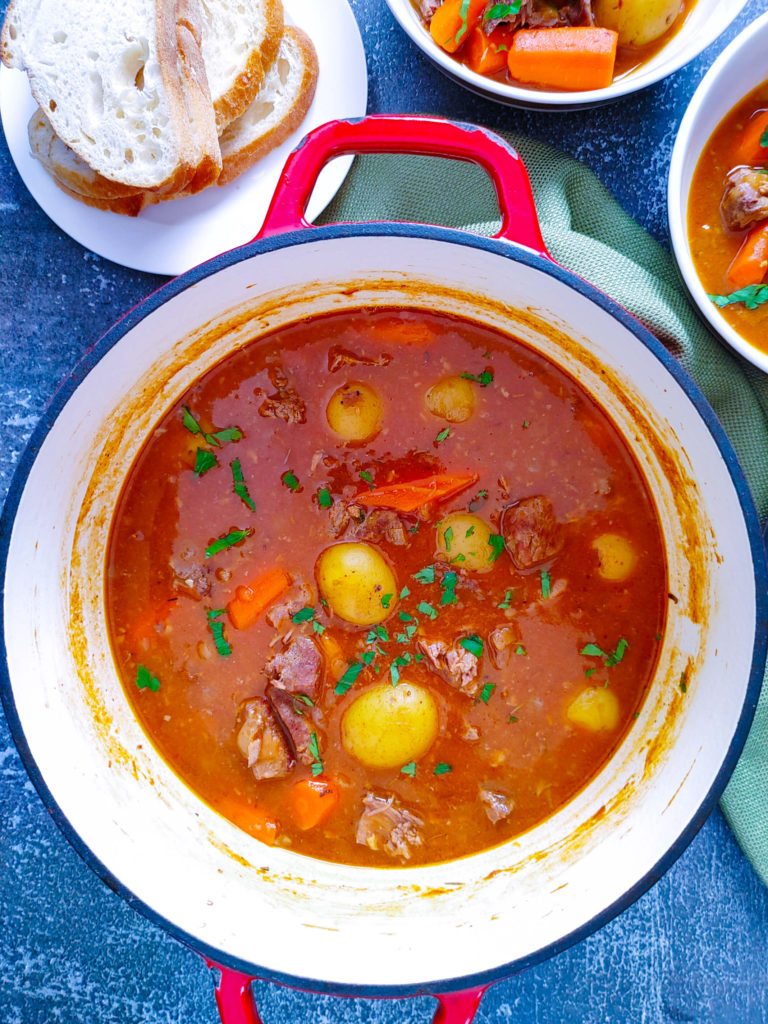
270 911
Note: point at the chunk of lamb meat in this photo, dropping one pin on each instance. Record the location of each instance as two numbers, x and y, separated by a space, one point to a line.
286 403
531 532
543 14
262 741
384 826
293 713
456 665
299 596
298 668
190 579
498 806
745 202
383 524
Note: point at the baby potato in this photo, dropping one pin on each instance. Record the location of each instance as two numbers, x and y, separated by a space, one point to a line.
353 578
355 411
595 708
464 539
389 726
452 398
617 555
638 22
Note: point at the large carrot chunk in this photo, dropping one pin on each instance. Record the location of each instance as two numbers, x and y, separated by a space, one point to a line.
311 801
487 54
250 601
563 58
407 497
750 264
453 21
750 151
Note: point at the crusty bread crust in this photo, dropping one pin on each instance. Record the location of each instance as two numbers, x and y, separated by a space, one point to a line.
128 206
247 139
249 80
67 167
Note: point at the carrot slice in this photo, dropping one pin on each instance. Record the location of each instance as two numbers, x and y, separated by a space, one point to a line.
407 497
251 819
311 801
401 332
452 21
563 58
749 151
250 601
750 264
487 54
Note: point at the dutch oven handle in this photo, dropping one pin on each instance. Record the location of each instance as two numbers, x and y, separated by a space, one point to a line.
413 134
236 1005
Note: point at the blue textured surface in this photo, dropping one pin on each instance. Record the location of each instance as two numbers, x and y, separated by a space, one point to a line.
694 948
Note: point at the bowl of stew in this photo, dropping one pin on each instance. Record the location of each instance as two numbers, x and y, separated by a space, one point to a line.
564 55
374 583
718 195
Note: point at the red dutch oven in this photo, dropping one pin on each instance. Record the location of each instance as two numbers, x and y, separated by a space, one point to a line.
448 929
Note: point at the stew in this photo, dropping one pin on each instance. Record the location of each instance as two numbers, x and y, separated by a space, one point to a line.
728 218
553 44
386 587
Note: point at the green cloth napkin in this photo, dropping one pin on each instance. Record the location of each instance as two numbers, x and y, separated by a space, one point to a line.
586 230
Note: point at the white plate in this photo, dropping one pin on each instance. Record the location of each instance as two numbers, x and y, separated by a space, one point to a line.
169 238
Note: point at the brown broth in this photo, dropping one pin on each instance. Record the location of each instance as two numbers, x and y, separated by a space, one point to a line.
534 432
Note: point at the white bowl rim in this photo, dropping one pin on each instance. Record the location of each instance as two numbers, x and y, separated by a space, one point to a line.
677 203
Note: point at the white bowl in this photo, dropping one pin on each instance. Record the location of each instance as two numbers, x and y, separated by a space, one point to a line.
707 20
739 69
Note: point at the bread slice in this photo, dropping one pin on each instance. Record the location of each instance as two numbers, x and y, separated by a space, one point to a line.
123 84
240 42
70 170
279 108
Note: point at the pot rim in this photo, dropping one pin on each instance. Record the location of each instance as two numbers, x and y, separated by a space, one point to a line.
515 253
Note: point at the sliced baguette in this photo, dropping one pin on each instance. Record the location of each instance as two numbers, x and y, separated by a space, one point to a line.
123 84
240 42
67 167
279 108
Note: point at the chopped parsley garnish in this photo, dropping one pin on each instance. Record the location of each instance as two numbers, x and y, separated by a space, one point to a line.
478 501
753 295
368 657
318 627
349 678
217 438
503 11
683 683
386 600
204 460
145 680
520 650
426 575
448 537
449 588
764 138
394 673
426 609
303 614
513 718
290 480
409 769
485 693
317 765
404 616
404 593
239 485
463 13
483 379
473 644
217 629
443 435
324 499
497 545
546 585
526 424
609 660
365 475
507 599
442 768
226 542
